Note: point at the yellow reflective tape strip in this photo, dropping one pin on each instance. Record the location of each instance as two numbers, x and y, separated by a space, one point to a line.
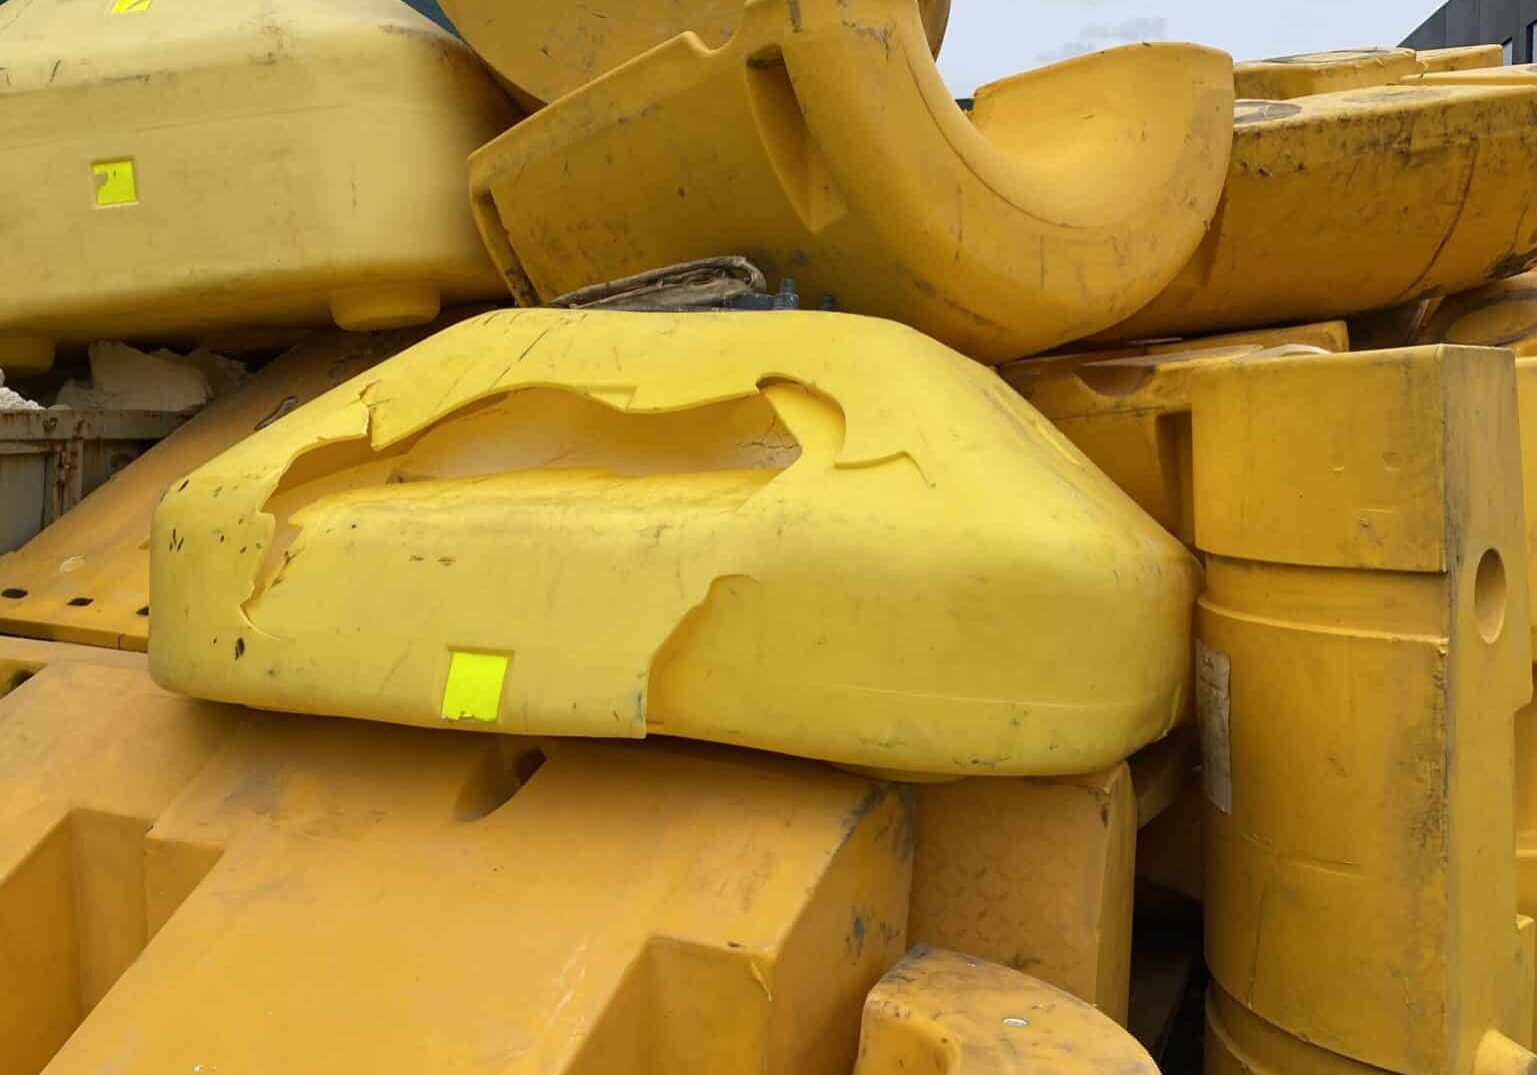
474 690
115 182
124 7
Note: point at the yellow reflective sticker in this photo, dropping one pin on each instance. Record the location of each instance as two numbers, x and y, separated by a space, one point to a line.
115 183
124 7
474 690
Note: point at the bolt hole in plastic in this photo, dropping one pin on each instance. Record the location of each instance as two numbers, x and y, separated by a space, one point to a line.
1489 595
81 602
500 776
14 593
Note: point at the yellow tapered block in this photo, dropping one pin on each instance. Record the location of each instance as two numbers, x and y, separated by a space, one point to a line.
1032 874
185 885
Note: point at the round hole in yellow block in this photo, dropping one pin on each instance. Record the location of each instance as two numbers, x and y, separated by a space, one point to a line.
1489 596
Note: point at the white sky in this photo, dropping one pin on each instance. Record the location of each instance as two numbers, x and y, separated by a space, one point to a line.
990 39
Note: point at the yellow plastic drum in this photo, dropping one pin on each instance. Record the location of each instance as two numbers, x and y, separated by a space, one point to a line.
810 533
176 168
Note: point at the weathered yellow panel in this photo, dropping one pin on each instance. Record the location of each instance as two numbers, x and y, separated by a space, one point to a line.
1324 335
290 894
187 168
793 531
1461 58
86 578
1065 202
545 49
942 1012
1521 74
1032 874
1312 220
1312 73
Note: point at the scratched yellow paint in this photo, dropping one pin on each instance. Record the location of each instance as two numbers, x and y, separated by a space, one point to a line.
126 7
474 690
116 183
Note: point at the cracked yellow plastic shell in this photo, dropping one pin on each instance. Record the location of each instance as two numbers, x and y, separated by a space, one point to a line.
821 143
1348 202
811 533
184 169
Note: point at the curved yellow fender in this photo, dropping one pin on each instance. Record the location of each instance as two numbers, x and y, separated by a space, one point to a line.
545 49
821 143
810 533
175 169
1356 201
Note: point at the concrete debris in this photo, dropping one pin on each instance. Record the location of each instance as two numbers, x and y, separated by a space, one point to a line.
15 401
126 379
224 375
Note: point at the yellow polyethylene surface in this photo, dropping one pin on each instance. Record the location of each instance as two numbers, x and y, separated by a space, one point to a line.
194 167
1312 222
1286 77
1335 72
86 577
545 49
186 886
1502 314
1063 204
810 533
1365 631
1521 74
941 1012
1461 58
